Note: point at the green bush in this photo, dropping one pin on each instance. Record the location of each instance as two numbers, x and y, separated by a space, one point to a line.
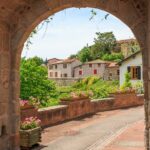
50 102
34 82
138 86
99 87
127 83
113 57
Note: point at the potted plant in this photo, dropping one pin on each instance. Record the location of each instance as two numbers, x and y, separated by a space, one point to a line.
86 94
25 104
30 132
75 96
65 97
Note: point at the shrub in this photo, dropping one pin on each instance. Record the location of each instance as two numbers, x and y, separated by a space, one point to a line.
113 57
100 92
127 83
34 80
99 87
138 86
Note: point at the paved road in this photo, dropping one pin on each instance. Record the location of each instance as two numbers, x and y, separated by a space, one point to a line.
92 133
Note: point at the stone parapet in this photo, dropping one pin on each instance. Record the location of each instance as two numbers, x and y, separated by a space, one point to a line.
74 109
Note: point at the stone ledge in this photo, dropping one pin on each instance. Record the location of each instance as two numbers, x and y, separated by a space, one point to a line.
103 99
53 108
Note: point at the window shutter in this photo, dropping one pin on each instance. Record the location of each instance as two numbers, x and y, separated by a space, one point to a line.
95 71
129 69
139 72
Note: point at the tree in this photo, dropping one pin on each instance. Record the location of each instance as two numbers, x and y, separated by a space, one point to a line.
84 54
105 42
34 80
104 45
38 61
113 57
72 56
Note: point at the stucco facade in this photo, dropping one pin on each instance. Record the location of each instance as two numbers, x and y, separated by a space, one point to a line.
97 68
132 61
63 68
18 18
89 69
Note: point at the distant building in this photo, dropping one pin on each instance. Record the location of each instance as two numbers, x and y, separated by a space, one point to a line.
62 68
103 69
53 60
125 46
67 71
112 71
133 65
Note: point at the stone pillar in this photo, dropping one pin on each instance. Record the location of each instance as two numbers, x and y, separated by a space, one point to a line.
146 75
9 106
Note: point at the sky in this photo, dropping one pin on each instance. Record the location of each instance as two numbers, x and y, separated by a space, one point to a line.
70 30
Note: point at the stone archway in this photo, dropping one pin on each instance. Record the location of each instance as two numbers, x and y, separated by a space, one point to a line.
20 17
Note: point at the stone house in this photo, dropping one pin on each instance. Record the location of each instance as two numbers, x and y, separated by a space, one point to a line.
112 71
53 60
96 68
62 68
124 46
133 65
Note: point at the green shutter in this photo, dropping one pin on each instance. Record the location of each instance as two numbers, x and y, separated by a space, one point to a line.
129 69
139 72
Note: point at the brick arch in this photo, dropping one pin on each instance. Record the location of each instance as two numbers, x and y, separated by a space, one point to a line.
22 16
30 15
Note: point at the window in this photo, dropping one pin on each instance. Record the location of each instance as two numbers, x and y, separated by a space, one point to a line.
118 72
110 74
56 74
55 66
80 72
51 74
50 66
95 71
64 65
99 65
65 75
135 72
90 65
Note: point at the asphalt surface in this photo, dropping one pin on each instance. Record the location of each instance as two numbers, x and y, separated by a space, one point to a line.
92 133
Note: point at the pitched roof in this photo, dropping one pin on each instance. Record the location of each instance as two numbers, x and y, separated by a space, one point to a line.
53 60
65 61
131 56
113 64
98 61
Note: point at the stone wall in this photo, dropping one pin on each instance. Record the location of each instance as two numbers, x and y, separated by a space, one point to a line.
64 81
71 110
53 115
117 102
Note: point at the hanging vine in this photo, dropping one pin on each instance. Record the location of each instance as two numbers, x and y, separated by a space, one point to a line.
36 30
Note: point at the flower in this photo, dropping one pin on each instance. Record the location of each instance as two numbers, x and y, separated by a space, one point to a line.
30 123
24 102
